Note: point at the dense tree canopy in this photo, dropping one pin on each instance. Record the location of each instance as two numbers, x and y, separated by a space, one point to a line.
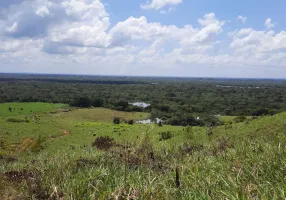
178 101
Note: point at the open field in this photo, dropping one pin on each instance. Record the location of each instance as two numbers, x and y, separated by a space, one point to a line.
239 161
15 109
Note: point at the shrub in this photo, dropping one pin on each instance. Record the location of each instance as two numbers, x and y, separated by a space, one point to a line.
116 120
103 143
131 122
165 135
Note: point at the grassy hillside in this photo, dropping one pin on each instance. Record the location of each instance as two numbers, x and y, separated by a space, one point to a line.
239 161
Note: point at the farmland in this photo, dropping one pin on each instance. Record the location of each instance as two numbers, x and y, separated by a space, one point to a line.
54 154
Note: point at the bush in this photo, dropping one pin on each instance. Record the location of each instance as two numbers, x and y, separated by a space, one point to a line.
103 143
165 135
116 120
131 122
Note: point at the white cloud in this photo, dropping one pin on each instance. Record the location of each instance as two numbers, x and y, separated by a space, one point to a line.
159 4
257 42
242 19
13 28
63 36
268 23
170 9
210 19
141 29
43 11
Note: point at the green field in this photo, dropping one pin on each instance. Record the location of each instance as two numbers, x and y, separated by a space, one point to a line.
15 109
226 118
52 156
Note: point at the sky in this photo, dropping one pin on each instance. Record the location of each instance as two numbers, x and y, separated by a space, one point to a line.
189 38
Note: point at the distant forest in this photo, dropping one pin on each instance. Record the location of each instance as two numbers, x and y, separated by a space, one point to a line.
177 100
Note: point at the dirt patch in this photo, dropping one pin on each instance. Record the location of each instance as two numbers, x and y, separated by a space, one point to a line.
18 176
9 191
33 181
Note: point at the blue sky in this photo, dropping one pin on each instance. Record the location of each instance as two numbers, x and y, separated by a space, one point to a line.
207 38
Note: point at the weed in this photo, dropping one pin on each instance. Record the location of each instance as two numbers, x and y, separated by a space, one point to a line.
165 135
190 149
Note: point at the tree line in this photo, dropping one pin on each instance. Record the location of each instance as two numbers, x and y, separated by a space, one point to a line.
177 101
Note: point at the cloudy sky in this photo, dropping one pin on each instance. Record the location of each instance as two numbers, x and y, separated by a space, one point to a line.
195 38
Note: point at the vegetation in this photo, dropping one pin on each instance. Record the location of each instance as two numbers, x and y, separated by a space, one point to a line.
225 142
165 135
173 100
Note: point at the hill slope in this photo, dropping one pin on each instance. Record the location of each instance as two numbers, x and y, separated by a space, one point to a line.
242 161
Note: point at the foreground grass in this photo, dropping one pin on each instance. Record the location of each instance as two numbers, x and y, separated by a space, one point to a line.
242 161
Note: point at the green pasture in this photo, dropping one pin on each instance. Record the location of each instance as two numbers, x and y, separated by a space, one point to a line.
15 109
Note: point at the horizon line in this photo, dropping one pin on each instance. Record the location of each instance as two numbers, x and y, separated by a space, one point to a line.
138 76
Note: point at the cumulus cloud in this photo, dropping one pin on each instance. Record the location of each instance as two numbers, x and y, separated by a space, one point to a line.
141 29
159 4
209 19
258 42
69 22
78 34
242 19
268 23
